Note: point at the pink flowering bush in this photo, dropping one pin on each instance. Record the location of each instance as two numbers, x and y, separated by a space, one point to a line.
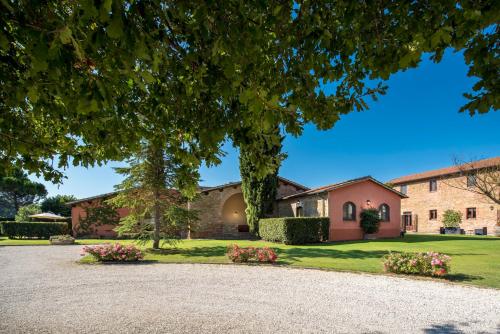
426 264
241 254
116 252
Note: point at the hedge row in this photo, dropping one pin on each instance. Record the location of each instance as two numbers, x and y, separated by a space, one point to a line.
39 230
294 230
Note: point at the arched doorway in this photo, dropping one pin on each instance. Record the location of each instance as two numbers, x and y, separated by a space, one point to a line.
233 214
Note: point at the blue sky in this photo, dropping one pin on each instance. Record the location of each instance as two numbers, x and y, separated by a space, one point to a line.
415 127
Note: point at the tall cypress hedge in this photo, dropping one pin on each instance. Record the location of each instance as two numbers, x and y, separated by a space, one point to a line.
259 192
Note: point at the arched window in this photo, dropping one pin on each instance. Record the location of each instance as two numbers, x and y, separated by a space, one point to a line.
384 212
349 211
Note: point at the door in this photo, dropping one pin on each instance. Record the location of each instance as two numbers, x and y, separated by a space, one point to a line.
407 221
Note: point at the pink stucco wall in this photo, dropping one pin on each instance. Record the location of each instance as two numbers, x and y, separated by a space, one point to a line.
78 212
359 193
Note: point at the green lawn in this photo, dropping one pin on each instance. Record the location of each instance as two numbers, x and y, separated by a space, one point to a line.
35 242
475 260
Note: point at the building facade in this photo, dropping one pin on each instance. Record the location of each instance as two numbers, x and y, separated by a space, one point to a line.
221 209
343 202
431 193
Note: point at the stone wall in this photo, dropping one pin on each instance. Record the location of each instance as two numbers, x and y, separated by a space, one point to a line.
312 206
420 200
222 210
209 206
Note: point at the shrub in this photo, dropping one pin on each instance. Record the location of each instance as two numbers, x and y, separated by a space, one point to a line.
452 219
325 229
426 264
24 212
116 252
39 230
369 220
294 230
239 254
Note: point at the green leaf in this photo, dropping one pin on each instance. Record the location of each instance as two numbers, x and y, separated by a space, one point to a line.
33 94
105 10
39 65
148 77
115 29
65 35
4 42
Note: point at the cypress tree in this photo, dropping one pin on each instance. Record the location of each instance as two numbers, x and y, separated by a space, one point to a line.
259 191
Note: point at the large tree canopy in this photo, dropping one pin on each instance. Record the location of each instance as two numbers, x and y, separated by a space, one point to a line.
57 204
17 190
73 72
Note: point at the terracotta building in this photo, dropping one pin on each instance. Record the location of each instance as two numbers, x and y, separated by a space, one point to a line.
221 209
343 202
431 193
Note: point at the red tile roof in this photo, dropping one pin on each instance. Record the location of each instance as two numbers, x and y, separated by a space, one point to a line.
342 184
200 189
448 170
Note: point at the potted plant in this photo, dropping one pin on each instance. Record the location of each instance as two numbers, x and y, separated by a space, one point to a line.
451 221
369 222
65 239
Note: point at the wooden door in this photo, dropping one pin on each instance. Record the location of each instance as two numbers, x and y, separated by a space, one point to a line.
407 221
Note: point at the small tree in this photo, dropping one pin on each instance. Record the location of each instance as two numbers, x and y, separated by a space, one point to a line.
25 211
452 219
369 220
150 192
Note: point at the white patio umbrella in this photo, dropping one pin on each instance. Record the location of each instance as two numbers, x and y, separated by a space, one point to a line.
48 216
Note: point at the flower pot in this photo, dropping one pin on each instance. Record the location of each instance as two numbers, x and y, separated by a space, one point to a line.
370 236
451 230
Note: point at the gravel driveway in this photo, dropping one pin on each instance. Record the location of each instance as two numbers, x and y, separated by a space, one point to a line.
43 290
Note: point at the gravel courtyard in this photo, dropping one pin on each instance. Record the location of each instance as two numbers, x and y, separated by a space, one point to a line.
43 290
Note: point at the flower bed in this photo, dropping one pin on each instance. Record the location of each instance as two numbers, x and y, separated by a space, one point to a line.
116 252
426 264
241 254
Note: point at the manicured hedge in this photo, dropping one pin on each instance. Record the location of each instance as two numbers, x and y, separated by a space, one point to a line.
294 230
33 230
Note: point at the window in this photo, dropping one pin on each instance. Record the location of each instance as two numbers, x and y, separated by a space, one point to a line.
404 189
299 212
471 213
433 186
384 213
471 181
433 214
349 211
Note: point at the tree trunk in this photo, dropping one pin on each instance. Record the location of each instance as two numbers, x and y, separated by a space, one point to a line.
16 204
156 236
